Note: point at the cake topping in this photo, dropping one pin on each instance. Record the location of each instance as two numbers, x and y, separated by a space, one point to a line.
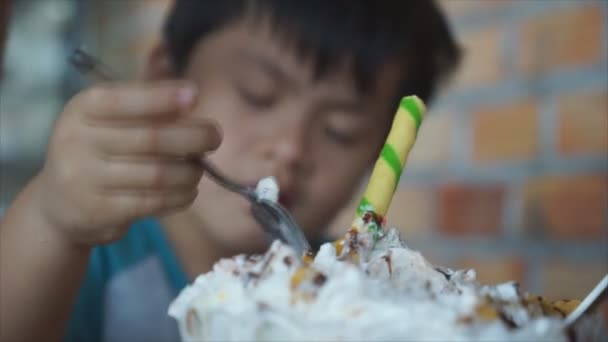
268 189
351 294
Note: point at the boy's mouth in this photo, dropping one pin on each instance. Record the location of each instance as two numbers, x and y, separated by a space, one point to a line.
285 199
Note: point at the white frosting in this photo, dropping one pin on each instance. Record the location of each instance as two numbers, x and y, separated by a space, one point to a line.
268 188
393 293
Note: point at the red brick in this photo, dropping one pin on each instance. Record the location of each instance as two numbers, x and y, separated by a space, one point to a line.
567 207
482 60
561 38
495 270
583 123
432 146
412 211
470 209
563 279
505 133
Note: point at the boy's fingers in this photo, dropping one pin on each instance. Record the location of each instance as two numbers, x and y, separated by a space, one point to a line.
151 174
138 205
175 140
133 101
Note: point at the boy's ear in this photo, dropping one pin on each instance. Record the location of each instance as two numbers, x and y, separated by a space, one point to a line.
158 64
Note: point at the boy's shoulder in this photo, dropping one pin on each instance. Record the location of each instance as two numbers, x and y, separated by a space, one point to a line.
130 279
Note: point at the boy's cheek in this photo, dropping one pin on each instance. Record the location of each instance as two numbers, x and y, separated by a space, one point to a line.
335 186
340 179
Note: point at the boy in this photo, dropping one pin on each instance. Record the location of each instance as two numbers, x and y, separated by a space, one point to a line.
119 220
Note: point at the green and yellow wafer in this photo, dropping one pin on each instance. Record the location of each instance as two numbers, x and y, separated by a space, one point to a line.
390 163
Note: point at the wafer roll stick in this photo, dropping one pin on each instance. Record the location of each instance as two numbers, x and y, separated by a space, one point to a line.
390 163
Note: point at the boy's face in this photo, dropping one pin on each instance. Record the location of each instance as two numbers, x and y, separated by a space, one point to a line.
318 138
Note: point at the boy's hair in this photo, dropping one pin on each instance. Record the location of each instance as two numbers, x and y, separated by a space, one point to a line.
328 32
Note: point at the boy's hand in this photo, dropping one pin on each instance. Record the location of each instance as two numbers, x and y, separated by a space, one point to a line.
120 152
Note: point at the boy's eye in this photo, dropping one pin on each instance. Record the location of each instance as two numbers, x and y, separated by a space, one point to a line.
340 136
258 100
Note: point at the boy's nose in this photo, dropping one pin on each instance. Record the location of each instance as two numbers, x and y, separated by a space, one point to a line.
289 162
288 150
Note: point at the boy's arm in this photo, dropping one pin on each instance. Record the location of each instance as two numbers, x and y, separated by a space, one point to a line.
40 274
118 152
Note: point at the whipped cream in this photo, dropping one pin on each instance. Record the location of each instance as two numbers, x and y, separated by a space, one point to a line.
268 189
357 289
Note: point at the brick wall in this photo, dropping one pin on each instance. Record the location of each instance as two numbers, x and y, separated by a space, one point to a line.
509 173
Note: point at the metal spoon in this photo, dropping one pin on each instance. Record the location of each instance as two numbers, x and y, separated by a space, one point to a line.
599 293
272 216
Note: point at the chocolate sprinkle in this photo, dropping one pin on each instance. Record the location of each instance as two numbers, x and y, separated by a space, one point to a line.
262 306
467 320
508 321
353 239
445 274
253 275
288 260
387 258
319 279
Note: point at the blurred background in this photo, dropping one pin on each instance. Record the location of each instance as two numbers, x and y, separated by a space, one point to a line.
510 171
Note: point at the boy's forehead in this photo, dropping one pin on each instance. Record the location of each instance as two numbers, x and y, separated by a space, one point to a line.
257 44
254 42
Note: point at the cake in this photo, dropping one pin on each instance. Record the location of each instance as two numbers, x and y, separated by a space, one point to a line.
364 287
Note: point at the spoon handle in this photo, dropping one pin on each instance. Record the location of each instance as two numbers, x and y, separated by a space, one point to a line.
599 293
